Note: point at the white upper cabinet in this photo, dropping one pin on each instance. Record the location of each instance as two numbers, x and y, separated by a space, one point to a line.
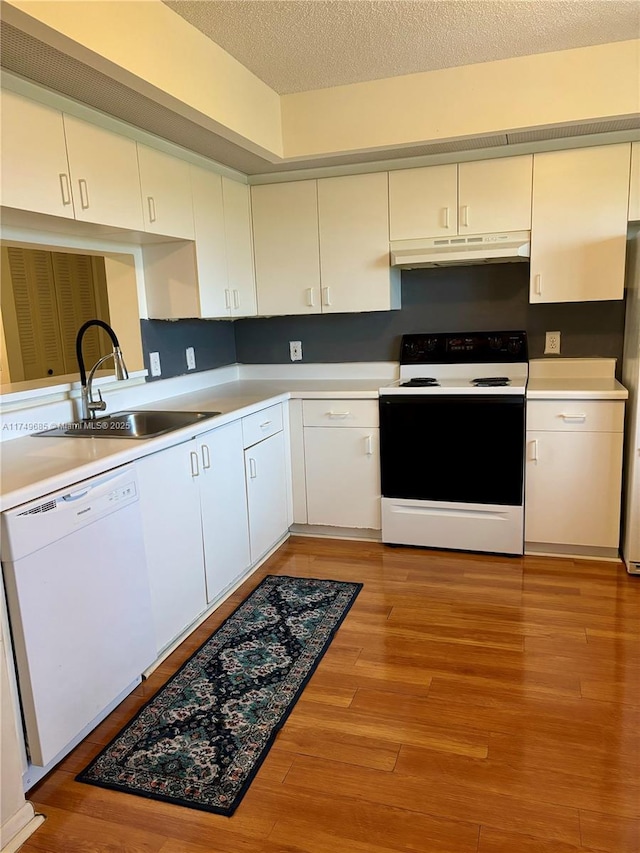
354 244
35 172
104 175
239 248
166 193
495 195
211 252
479 197
287 248
423 202
634 187
579 224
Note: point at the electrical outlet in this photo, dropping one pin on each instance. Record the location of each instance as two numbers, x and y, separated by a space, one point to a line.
552 343
191 358
295 350
154 363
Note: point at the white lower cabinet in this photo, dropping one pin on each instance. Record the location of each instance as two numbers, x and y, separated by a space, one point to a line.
573 476
194 511
266 473
342 463
170 505
223 507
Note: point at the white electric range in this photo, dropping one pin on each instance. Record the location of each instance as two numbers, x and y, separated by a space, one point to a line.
452 435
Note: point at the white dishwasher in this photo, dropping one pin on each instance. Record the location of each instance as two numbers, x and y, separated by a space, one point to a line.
79 607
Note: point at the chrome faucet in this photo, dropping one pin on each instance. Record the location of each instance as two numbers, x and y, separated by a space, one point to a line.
89 405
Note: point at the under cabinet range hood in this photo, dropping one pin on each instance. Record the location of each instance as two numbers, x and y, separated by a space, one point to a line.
462 250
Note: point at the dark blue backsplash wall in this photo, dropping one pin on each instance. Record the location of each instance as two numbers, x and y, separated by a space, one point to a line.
451 299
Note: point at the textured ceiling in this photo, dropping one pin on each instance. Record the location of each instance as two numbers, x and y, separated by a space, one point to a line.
313 44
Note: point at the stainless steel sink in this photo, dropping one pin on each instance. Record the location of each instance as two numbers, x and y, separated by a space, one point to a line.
128 425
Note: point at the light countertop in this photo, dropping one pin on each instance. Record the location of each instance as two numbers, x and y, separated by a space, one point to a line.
575 388
32 467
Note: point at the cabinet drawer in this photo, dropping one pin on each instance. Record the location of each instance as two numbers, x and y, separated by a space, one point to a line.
261 425
340 413
576 415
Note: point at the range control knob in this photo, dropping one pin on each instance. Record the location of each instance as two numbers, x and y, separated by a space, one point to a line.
495 342
514 345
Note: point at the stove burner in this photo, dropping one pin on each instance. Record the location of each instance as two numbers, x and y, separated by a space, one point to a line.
420 382
490 381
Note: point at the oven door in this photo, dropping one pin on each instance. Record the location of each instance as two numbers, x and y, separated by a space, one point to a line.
464 448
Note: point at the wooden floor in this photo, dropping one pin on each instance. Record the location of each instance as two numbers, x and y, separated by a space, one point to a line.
468 704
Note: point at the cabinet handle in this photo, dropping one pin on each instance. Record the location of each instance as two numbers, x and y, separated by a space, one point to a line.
227 298
252 468
534 450
338 414
152 208
64 188
195 467
206 457
577 418
464 215
369 445
445 217
265 424
311 302
236 298
538 285
326 296
84 194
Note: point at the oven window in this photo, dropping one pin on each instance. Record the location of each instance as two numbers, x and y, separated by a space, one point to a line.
467 449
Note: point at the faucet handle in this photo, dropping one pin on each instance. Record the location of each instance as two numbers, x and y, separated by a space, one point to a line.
97 405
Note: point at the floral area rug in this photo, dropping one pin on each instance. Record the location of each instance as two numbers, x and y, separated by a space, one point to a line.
202 738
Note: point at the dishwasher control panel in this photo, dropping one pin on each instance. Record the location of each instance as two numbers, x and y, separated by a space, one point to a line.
28 527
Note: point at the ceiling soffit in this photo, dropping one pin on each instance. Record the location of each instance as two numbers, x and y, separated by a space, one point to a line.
35 60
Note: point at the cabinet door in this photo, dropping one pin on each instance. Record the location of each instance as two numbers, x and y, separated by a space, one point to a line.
166 193
104 175
211 252
572 493
343 476
287 249
35 172
423 202
495 195
266 478
169 485
223 503
354 243
237 225
579 224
